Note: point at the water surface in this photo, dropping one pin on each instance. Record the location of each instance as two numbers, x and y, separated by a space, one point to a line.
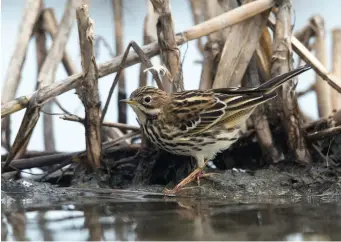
140 216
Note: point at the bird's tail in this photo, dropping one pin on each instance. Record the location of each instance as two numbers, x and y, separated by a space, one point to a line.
265 88
276 82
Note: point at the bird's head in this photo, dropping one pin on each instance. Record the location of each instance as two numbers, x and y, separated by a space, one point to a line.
147 102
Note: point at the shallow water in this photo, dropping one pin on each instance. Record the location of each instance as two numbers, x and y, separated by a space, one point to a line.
143 216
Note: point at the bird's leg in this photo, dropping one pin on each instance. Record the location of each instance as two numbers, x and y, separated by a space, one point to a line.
196 174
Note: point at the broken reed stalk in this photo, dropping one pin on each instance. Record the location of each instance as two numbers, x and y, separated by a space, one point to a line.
336 67
286 102
122 94
88 91
322 88
45 77
149 35
11 83
50 25
310 59
258 117
41 50
108 124
213 47
222 21
170 53
244 37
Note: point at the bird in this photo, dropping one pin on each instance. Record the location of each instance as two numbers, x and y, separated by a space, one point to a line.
199 123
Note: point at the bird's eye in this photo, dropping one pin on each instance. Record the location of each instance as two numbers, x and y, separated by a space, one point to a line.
147 99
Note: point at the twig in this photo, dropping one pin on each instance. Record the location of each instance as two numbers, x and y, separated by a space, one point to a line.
50 25
286 102
322 88
11 83
122 94
244 37
108 124
309 58
170 53
336 67
61 106
46 76
224 20
88 91
330 132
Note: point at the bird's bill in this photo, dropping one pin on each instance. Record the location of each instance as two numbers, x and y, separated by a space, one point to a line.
128 101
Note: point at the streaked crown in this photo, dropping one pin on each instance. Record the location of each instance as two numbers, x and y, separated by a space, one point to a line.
147 101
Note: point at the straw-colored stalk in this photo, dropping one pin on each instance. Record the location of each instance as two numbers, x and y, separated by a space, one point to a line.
323 90
336 67
240 44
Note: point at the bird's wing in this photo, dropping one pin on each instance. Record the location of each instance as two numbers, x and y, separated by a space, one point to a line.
194 112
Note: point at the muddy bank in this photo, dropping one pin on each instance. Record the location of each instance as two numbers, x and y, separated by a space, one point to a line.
274 181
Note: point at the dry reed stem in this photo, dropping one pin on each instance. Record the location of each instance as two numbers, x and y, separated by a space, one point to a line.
50 25
336 67
41 52
108 124
31 14
41 49
304 35
227 19
170 53
149 35
45 77
323 90
264 54
196 8
122 94
48 69
88 91
258 117
309 58
213 46
11 83
286 102
241 42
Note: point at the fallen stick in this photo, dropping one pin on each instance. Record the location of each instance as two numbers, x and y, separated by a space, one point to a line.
224 20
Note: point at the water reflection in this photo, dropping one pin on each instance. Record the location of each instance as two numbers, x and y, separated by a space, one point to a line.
176 219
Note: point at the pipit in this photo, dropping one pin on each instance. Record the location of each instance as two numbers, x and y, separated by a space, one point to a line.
199 123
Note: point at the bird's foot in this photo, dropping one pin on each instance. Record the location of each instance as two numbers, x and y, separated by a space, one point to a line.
195 175
191 177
